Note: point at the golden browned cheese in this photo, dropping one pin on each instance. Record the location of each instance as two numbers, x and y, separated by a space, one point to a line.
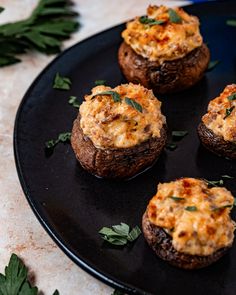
166 41
202 231
111 124
216 119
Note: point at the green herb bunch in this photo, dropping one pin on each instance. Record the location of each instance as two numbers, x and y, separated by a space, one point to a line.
49 24
15 281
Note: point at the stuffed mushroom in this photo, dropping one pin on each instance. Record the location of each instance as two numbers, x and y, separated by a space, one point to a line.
163 50
217 130
119 131
188 224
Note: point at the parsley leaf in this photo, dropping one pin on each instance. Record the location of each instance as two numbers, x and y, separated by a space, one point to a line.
1 9
15 281
222 207
227 176
232 96
231 22
176 198
115 95
120 235
171 146
174 17
37 32
212 64
62 83
62 137
150 21
179 134
134 104
74 102
213 183
191 208
100 82
228 112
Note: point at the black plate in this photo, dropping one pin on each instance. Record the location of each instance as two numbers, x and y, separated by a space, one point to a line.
73 205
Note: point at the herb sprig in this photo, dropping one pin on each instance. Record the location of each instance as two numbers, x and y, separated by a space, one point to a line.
222 207
231 22
62 137
232 96
74 102
49 24
228 112
212 64
176 135
191 208
62 83
213 183
120 235
177 199
179 134
116 98
115 95
133 104
15 281
100 82
150 21
174 17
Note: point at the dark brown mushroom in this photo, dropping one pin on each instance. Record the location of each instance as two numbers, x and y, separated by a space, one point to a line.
115 162
216 143
170 76
161 243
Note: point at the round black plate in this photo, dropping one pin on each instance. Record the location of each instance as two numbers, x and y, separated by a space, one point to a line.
73 205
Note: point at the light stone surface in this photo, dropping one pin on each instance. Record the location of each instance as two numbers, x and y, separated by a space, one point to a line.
20 231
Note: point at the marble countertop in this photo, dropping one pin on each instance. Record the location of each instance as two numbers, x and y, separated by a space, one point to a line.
20 231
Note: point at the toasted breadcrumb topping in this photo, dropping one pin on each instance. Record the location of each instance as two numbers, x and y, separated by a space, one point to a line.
196 216
216 118
111 124
167 41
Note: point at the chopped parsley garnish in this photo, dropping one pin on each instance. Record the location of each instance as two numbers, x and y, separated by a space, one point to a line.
232 96
115 95
120 235
62 137
231 22
1 9
179 134
74 102
227 176
174 17
100 82
15 281
213 183
228 112
150 21
134 104
171 146
222 207
191 208
177 198
62 83
212 64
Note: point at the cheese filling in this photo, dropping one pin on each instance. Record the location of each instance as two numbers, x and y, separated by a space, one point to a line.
167 41
112 124
221 115
196 216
